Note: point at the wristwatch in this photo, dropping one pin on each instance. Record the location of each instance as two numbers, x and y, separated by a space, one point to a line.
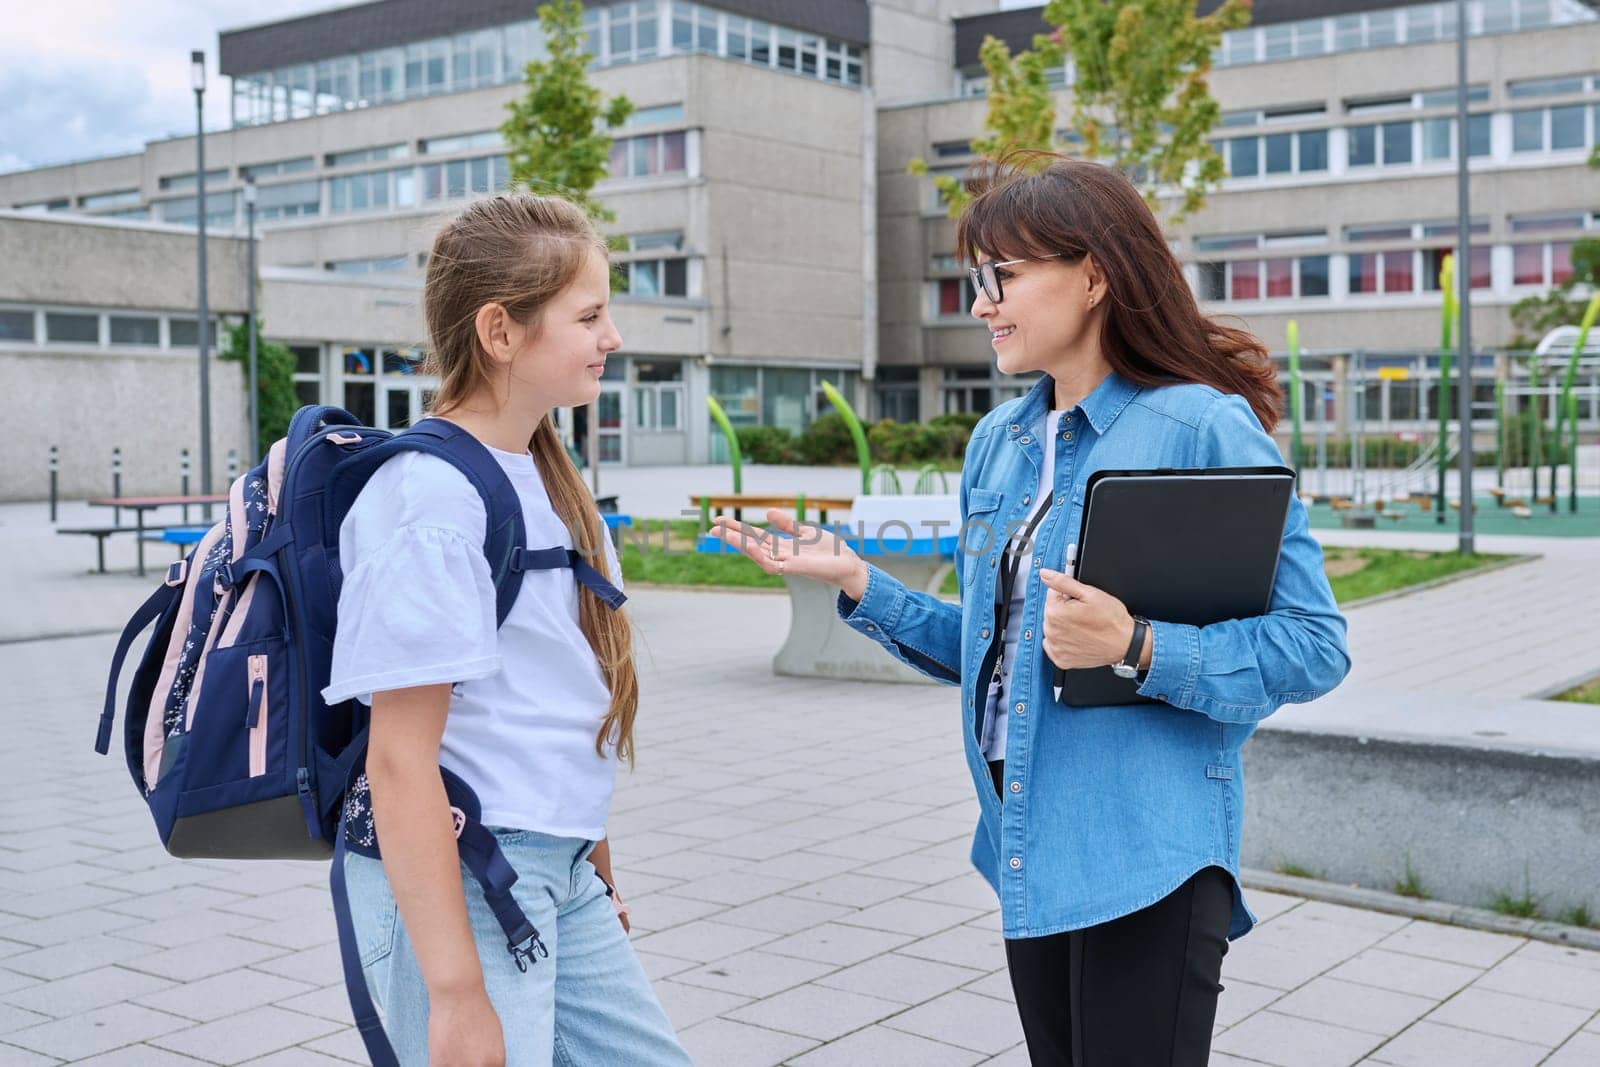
1129 667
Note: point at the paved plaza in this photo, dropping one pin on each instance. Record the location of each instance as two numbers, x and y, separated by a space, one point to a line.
794 852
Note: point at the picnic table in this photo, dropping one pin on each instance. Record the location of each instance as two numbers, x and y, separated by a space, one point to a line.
737 502
819 644
139 505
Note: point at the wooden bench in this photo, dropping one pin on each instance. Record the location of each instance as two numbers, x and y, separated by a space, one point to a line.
99 533
739 501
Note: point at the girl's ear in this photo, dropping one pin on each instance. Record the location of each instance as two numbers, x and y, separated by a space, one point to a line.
494 328
1094 281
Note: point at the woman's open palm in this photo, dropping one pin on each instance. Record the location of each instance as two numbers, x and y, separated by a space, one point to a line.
807 552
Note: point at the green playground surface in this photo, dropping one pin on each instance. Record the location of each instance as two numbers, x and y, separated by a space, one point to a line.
1491 519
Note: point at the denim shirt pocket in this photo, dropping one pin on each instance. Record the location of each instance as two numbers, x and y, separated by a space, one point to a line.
978 528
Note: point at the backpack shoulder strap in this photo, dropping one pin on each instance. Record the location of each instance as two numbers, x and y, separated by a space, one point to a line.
504 532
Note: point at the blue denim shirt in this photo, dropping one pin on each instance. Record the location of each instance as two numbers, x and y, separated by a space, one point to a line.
1108 810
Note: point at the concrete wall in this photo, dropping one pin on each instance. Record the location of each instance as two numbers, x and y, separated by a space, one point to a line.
87 403
1473 821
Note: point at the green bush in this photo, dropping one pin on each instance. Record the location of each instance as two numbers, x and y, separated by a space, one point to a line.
826 441
766 444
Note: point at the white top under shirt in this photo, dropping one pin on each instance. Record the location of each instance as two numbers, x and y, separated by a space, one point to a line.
417 607
994 741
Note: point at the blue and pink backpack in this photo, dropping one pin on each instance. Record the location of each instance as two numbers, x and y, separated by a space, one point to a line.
225 731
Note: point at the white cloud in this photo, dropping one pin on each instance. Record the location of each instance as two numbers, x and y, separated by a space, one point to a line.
84 78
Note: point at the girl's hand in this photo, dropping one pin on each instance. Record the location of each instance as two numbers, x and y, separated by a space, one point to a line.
809 551
464 1031
1083 626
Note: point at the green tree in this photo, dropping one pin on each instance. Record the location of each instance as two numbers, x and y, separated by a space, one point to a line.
274 380
1141 99
557 133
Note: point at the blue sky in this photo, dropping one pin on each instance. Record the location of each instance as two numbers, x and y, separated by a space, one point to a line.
85 78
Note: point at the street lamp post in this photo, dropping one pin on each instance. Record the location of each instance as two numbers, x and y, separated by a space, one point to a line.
197 73
1464 281
250 314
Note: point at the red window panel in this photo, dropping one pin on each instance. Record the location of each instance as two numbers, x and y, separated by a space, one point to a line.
672 153
1397 274
1560 262
1527 264
950 296
1246 280
1480 266
1280 277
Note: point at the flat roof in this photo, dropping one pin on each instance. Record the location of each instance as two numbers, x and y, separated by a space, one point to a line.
387 23
1017 27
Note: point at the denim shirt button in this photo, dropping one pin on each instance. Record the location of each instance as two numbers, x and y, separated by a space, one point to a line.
1016 863
984 634
1026 499
1022 709
1027 635
1015 427
1026 440
871 628
1066 435
1016 787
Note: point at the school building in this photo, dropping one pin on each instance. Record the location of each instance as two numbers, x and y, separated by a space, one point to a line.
774 239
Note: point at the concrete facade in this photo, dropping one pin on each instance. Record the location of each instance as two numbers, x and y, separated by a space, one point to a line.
800 250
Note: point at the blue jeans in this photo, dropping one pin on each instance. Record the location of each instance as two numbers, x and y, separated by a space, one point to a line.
588 1003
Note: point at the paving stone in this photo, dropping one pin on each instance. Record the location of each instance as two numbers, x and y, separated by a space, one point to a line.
1356 1007
1417 975
330 1002
341 1045
783 914
12 1056
1428 1044
1242 999
734 887
918 918
703 940
15 1018
1454 944
996 985
754 974
836 944
816 1011
965 946
1542 951
897 977
220 996
965 1020
1292 1042
726 1043
314 966
1535 1022
100 1030
854 890
1557 983
686 1005
203 958
75 957
85 991
887 1046
135 1056
1581 1050
657 966
247 1035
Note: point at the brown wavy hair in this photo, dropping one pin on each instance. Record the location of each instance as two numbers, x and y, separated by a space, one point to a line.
1030 204
519 251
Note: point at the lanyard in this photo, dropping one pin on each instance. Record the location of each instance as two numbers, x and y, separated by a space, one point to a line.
1010 564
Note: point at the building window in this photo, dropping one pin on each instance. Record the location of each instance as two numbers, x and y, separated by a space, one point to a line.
185 333
221 210
63 327
282 166
289 200
366 155
658 398
378 189
1551 129
654 277
135 330
955 297
177 182
465 177
651 155
462 142
16 325
100 201
377 265
1548 263
659 115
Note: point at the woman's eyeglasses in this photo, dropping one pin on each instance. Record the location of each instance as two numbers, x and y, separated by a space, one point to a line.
986 278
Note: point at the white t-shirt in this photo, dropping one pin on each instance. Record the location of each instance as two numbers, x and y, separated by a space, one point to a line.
994 742
417 607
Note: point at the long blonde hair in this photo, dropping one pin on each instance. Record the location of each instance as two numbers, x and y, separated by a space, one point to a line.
519 251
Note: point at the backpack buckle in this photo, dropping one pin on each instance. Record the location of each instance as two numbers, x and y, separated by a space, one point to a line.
528 951
177 573
224 576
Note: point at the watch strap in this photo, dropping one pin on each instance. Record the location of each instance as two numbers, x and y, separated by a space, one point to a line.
1141 626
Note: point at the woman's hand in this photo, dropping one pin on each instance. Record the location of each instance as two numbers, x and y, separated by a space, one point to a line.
464 1031
1085 627
809 551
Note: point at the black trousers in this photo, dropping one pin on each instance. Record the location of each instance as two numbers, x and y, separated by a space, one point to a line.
1139 991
